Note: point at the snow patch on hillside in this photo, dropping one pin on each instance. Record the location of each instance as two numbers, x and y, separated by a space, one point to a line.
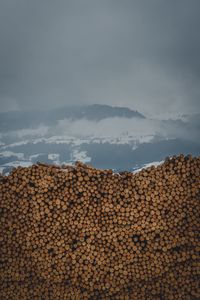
10 153
80 155
145 166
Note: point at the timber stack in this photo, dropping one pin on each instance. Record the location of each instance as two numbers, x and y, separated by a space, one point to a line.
82 233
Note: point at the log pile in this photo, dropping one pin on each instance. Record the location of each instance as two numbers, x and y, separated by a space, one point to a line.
82 233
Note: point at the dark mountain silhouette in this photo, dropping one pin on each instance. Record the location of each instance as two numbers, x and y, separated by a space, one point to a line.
30 119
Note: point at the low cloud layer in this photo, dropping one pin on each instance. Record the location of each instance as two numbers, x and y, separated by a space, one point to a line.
141 54
112 130
140 130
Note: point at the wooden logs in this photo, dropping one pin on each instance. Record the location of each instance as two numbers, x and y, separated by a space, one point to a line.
81 233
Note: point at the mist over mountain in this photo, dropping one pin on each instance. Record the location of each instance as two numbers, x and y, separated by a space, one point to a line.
101 135
30 119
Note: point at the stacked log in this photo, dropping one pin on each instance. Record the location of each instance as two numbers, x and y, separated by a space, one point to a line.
81 233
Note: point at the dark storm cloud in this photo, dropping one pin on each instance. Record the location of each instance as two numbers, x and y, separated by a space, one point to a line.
142 54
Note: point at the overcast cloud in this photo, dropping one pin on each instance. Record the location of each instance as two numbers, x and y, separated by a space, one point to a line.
144 54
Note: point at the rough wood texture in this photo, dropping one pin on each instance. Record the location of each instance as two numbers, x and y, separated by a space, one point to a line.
81 233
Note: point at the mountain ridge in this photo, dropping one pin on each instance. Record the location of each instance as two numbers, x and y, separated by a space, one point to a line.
94 112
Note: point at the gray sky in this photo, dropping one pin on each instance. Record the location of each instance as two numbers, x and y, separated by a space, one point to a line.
144 54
